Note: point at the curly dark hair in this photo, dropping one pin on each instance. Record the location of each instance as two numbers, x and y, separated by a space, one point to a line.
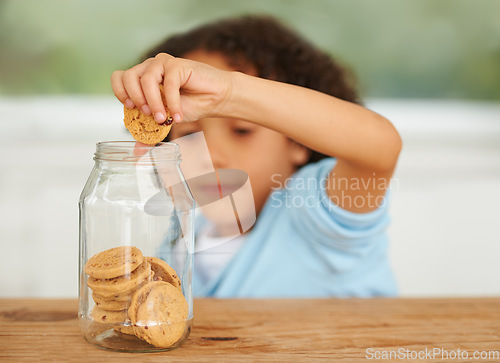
273 50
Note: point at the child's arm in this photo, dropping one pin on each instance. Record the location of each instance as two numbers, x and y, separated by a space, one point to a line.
365 144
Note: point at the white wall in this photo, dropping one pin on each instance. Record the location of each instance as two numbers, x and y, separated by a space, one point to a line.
446 214
445 206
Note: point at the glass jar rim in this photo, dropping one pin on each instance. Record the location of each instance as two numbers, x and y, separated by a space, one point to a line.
131 151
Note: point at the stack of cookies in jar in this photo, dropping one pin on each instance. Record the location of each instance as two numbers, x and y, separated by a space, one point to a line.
137 295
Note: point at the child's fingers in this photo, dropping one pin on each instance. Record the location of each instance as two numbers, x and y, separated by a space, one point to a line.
138 86
150 81
171 86
132 82
172 82
119 89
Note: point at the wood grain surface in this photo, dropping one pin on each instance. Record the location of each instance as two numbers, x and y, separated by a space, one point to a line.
234 330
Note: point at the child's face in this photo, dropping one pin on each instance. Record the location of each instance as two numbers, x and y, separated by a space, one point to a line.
267 156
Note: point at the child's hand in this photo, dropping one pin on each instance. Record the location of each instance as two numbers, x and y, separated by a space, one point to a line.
193 90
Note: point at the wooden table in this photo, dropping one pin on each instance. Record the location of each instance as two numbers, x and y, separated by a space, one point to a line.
275 330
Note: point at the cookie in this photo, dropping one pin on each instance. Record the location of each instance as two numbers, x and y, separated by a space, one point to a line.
144 128
100 315
119 320
114 262
126 329
163 272
111 304
122 297
117 297
159 313
121 285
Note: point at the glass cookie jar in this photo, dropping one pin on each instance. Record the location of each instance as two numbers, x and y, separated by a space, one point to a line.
136 249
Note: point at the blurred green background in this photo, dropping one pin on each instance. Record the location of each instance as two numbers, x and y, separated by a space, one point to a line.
397 49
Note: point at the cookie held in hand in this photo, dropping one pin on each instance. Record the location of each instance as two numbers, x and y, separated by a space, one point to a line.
144 128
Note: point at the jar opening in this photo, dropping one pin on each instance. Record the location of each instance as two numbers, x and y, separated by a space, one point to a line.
130 151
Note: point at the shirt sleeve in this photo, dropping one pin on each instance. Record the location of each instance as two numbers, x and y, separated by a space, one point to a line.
317 218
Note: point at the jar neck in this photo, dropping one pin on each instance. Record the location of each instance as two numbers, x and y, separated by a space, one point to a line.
127 152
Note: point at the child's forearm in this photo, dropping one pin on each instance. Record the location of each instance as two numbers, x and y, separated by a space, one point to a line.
321 122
